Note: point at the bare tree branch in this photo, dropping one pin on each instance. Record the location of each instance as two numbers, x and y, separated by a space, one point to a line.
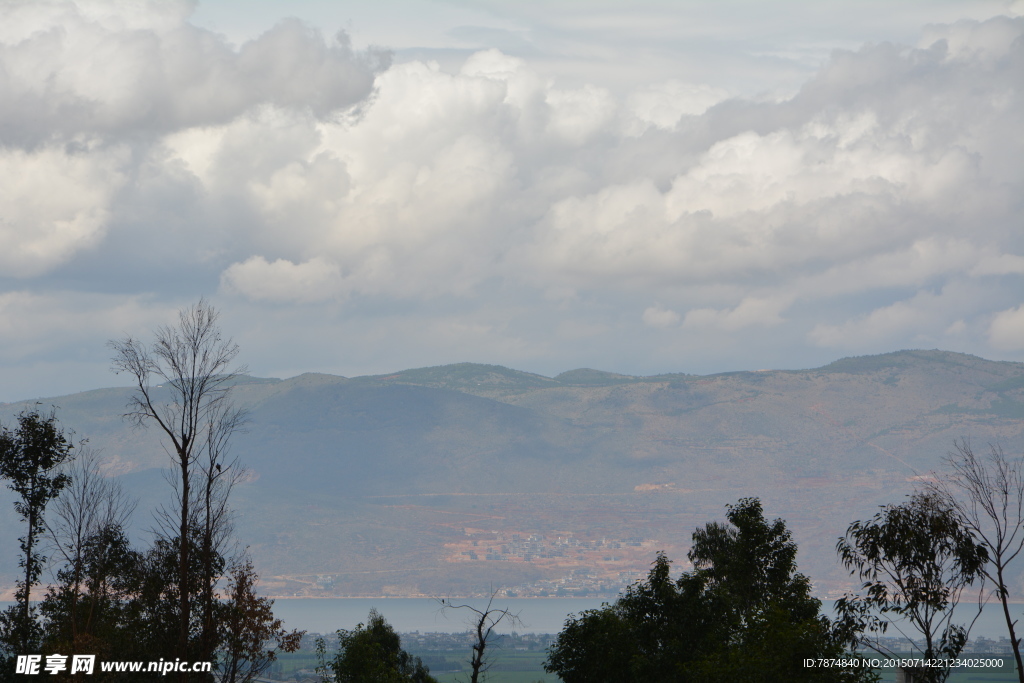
987 493
483 622
91 505
182 384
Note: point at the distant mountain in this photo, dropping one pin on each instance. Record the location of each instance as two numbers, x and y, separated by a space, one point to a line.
449 479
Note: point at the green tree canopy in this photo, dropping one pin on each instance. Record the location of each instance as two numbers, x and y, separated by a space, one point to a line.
372 653
30 459
915 560
742 614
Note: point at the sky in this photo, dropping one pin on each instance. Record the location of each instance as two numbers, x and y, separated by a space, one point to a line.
639 187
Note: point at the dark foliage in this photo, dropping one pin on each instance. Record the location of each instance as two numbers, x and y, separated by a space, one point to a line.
372 654
29 460
743 614
246 626
915 560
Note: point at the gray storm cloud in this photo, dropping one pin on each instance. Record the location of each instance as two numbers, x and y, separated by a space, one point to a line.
495 211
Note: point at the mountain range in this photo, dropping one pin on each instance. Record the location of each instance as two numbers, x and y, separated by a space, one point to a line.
449 480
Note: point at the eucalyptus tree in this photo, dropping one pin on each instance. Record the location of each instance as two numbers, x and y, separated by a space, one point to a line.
30 460
744 613
915 561
371 653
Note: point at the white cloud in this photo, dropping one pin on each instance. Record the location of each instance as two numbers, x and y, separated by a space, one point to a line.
752 311
881 325
924 319
656 316
999 264
54 203
973 41
283 281
879 204
957 328
663 104
72 68
34 324
1007 329
441 173
89 89
576 115
926 260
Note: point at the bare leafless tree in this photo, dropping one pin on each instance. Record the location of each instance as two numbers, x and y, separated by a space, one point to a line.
218 474
91 505
483 622
211 525
988 494
182 384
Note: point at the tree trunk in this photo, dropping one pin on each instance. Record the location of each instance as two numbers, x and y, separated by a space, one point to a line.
183 562
1003 598
26 612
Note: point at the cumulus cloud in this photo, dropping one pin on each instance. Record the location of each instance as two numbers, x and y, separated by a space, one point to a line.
926 261
92 94
878 205
926 319
751 311
663 104
283 281
972 41
656 316
55 203
447 179
104 68
33 324
1007 329
576 115
881 325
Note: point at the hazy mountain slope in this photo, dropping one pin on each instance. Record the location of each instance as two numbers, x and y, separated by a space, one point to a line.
408 482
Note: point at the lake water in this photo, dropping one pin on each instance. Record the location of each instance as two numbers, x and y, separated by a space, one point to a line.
538 615
324 615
